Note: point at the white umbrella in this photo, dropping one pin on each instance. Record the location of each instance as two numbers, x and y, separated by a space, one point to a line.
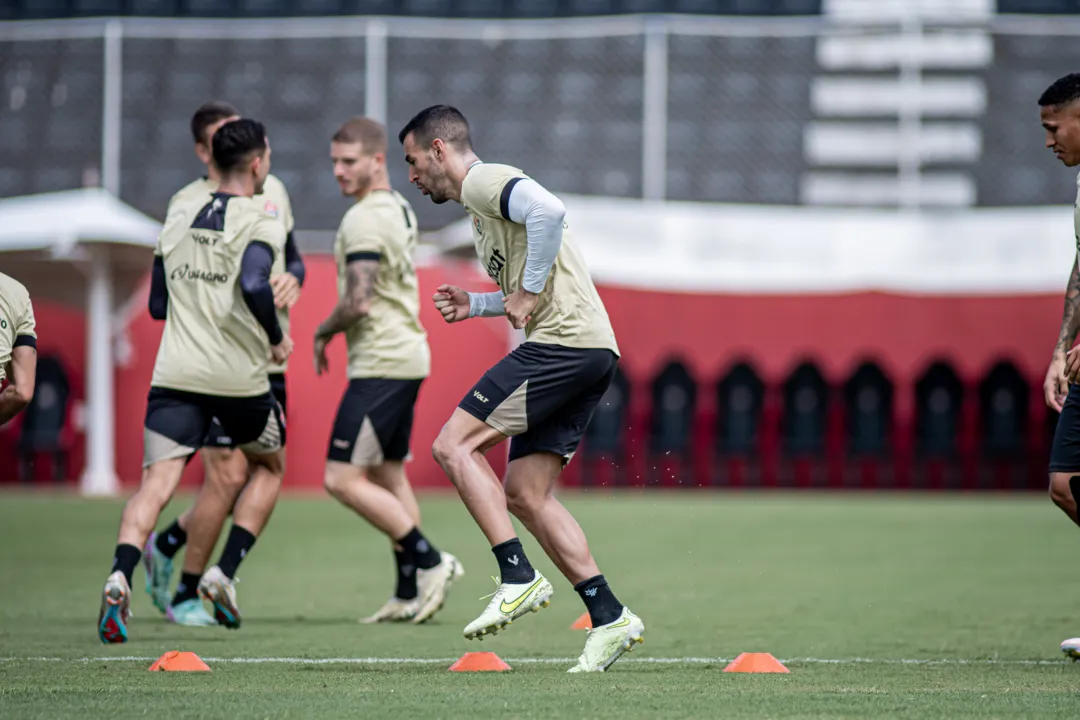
88 249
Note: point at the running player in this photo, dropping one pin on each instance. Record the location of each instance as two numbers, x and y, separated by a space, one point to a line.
226 468
18 347
542 394
1059 108
378 311
211 283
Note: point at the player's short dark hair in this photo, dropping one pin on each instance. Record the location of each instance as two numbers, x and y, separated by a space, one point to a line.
369 133
1063 91
209 113
237 142
439 121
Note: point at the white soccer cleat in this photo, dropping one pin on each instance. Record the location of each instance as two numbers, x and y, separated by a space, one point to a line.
1071 648
395 610
433 585
509 602
218 589
607 643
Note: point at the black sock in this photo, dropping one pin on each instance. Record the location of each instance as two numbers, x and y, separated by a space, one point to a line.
422 551
601 603
406 575
125 559
514 567
171 539
236 547
188 589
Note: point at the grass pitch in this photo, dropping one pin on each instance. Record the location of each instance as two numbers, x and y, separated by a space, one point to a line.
882 605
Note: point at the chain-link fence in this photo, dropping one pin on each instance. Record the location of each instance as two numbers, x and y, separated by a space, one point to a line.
764 110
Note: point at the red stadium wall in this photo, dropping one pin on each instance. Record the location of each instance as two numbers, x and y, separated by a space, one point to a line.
708 333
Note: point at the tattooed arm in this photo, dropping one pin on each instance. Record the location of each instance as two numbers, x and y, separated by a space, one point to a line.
356 302
1056 384
1070 318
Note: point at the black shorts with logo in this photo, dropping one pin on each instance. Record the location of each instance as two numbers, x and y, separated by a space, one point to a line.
374 421
543 396
217 437
177 423
1065 452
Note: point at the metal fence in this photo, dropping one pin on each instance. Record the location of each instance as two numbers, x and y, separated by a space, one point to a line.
762 110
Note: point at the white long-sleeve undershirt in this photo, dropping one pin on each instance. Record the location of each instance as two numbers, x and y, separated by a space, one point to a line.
542 214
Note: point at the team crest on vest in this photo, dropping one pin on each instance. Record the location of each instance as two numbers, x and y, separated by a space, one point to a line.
271 209
477 226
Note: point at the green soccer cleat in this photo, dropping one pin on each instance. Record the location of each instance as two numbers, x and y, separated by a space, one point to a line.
158 574
190 613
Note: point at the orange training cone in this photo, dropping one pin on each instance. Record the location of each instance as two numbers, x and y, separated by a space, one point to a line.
176 661
582 623
479 662
756 663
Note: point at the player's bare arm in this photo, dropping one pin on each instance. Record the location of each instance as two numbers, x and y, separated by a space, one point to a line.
21 375
360 276
1065 364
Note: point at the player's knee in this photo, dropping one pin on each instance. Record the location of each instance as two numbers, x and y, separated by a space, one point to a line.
334 481
523 503
227 478
446 452
1061 490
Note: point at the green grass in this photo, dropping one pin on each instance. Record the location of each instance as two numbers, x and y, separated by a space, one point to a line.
883 577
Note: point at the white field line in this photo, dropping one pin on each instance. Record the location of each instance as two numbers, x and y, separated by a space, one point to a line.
540 661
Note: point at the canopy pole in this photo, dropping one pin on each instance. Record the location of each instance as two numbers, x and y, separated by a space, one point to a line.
99 477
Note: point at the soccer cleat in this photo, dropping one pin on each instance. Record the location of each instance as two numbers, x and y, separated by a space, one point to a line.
1071 648
158 574
433 585
607 643
190 613
115 602
219 590
509 602
395 610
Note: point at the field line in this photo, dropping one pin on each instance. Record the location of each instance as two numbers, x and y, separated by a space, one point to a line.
542 661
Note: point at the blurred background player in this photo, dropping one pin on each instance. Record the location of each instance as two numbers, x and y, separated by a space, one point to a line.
227 472
211 284
18 347
542 394
379 312
1059 109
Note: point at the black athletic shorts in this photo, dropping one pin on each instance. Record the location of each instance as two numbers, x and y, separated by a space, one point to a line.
217 437
177 423
543 396
1065 453
374 421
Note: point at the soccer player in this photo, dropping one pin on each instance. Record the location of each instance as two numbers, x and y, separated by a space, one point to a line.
1059 108
211 283
379 313
18 347
542 394
226 468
